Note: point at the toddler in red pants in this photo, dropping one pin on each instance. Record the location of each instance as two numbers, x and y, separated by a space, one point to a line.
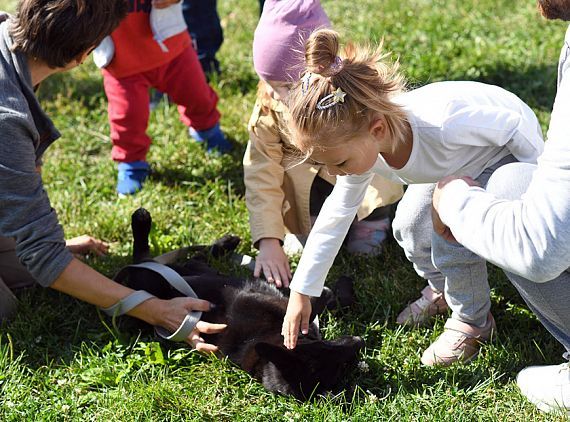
152 48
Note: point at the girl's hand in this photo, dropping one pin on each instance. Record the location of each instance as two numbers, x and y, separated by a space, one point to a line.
298 313
273 262
172 312
161 4
85 244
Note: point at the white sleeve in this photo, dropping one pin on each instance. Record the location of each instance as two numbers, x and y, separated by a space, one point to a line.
515 128
328 233
531 236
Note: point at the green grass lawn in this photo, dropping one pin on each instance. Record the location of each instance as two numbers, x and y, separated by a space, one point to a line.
60 361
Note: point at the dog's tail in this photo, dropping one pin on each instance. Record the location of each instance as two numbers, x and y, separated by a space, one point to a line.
141 223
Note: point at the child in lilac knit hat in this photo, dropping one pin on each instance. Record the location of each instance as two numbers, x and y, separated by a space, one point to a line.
282 198
279 39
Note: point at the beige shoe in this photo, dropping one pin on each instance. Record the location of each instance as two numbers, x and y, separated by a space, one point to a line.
431 303
459 342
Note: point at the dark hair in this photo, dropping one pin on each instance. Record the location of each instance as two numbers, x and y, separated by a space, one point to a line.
555 9
57 31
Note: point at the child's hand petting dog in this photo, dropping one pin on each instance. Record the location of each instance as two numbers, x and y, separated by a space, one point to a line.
82 245
297 315
174 312
273 262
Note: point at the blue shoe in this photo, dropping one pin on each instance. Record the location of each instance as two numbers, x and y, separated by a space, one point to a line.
213 138
131 177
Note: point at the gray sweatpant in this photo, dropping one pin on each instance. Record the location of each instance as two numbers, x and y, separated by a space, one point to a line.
13 275
549 301
448 267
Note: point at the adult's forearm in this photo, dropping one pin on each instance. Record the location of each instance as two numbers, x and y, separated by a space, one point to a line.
84 283
526 237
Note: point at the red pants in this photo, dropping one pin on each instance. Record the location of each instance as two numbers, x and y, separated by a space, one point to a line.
184 82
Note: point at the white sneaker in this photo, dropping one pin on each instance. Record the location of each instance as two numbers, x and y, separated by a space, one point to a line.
547 387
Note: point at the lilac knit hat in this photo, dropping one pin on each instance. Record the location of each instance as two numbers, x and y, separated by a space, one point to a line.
279 39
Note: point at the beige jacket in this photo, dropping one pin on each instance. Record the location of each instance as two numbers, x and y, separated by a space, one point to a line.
277 191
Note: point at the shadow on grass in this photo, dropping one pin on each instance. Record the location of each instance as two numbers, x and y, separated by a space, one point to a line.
231 170
78 86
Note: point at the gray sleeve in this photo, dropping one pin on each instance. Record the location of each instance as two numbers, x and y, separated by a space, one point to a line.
25 210
529 236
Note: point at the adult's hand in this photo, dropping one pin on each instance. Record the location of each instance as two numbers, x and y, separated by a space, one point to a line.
438 225
273 262
172 312
86 244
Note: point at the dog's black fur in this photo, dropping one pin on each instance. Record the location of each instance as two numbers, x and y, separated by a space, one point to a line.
253 311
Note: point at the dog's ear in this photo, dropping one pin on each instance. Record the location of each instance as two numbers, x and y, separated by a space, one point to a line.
341 350
318 304
285 372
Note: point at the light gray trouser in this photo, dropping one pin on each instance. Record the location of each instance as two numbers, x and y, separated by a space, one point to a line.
448 267
549 301
13 275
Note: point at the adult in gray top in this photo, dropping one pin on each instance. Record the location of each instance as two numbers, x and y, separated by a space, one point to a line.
521 223
35 44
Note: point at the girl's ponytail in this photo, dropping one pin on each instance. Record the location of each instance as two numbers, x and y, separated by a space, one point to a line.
321 52
341 93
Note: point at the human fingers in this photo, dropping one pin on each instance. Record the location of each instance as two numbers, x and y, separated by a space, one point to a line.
282 267
98 247
438 225
85 244
448 235
276 271
289 332
289 275
210 328
192 304
305 324
267 273
257 269
440 228
206 347
200 344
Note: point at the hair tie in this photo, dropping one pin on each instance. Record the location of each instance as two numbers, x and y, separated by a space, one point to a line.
334 68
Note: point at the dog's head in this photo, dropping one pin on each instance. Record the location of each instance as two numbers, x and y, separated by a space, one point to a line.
312 368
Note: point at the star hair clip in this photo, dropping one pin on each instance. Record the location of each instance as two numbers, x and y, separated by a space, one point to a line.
331 100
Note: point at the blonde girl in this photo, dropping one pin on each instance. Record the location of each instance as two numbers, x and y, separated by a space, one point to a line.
351 114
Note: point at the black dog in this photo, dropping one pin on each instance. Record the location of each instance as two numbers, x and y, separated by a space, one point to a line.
253 312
